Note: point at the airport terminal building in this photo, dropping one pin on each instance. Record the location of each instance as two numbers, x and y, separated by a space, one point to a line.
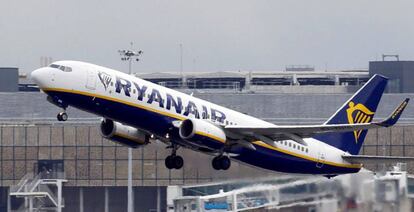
91 172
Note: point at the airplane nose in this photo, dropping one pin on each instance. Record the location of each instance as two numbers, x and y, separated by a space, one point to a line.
35 75
39 76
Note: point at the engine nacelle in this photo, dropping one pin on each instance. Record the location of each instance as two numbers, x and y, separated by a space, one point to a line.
198 130
123 134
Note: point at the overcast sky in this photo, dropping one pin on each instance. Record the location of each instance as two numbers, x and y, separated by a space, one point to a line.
216 35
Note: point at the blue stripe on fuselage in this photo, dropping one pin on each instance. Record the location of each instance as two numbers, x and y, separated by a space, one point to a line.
161 124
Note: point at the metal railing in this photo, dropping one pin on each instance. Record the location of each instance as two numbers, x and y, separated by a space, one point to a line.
51 194
36 189
21 184
33 184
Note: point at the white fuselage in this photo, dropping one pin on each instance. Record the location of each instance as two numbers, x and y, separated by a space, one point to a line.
113 86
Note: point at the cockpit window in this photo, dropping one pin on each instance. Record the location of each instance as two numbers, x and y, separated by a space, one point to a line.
54 66
65 68
62 68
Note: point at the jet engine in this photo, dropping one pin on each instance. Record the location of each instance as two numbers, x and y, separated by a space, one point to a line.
123 134
192 129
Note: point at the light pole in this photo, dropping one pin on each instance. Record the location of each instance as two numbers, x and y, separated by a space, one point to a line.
181 64
181 58
130 55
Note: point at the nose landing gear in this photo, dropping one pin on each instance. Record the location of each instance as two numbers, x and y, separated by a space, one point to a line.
62 116
174 162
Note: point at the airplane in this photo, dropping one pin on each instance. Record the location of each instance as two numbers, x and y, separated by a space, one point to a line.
136 112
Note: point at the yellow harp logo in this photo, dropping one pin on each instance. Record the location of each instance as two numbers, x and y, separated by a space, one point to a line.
357 114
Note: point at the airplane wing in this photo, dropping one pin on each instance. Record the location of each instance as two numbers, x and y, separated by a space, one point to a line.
376 159
298 132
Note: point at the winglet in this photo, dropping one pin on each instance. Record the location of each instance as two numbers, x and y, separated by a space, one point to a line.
393 118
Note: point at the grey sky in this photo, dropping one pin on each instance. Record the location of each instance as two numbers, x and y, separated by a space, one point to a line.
216 35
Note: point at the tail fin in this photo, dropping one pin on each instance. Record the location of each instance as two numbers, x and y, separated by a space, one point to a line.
360 108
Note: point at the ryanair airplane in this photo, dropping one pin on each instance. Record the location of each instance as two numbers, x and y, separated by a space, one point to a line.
136 111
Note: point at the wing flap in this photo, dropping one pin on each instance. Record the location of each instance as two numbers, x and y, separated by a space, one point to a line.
376 159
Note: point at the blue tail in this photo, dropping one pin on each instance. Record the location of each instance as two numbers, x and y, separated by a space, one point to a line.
360 108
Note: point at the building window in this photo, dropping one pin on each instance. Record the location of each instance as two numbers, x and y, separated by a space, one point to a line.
50 169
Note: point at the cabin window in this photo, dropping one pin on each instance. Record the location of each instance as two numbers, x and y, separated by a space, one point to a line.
294 146
303 149
290 144
133 91
227 122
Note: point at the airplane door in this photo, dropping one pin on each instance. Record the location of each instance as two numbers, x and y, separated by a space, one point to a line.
321 157
91 79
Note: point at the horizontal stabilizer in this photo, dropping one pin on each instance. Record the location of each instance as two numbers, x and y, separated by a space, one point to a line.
376 159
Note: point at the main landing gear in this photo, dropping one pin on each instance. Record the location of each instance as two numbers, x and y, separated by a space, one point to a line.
221 162
62 116
174 161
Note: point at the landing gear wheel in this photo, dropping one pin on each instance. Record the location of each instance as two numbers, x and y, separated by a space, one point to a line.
174 162
169 162
216 163
225 163
62 116
221 163
178 162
